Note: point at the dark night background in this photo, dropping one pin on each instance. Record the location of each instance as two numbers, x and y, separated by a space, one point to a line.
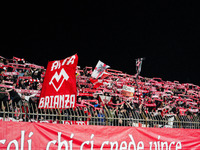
165 33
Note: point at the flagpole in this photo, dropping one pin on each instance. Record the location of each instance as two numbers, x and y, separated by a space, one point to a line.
136 83
138 70
136 76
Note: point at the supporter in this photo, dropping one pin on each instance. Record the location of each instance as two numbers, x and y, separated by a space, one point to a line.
25 98
35 74
27 73
17 112
111 113
130 119
14 97
25 110
97 105
22 85
141 108
94 119
4 97
76 114
101 117
1 60
21 74
6 62
33 102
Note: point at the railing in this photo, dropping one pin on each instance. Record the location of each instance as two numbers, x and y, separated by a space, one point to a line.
96 116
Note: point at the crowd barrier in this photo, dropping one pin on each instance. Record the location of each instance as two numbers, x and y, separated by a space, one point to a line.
29 112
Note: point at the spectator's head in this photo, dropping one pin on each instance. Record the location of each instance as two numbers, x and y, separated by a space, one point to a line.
79 99
23 97
41 80
95 95
28 87
36 73
2 88
25 74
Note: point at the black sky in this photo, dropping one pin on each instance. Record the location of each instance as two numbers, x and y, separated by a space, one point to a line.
165 33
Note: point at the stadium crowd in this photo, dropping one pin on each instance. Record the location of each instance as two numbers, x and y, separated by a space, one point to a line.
97 99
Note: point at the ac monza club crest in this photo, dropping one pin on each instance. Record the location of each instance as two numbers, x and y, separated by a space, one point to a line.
62 76
59 87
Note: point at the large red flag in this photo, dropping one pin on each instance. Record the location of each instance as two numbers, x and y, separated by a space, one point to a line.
59 87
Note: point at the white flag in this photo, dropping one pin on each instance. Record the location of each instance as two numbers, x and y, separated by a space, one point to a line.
99 69
105 99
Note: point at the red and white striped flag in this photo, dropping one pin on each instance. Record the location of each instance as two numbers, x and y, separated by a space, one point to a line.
99 70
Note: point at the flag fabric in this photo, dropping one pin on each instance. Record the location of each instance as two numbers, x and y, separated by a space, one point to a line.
99 69
105 99
59 86
97 82
105 74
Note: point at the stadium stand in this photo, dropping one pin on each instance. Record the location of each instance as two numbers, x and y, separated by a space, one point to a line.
155 103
